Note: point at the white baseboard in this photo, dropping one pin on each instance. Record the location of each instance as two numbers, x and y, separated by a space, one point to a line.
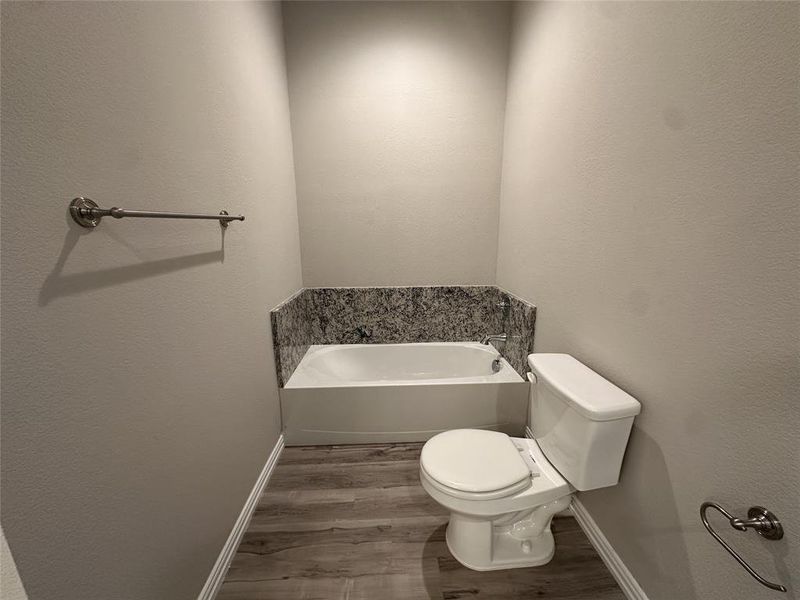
630 587
624 577
217 574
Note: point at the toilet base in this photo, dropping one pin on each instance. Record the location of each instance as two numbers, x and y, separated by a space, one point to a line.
506 552
510 541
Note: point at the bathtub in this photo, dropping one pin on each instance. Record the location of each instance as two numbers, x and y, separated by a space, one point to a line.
364 393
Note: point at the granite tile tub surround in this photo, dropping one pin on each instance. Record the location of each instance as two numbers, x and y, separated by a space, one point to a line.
519 322
391 315
291 333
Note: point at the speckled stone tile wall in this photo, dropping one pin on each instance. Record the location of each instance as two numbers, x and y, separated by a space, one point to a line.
519 322
291 333
386 315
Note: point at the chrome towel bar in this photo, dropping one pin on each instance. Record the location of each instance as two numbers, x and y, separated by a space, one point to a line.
86 213
759 518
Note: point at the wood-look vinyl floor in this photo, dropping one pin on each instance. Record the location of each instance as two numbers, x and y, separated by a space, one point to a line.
353 522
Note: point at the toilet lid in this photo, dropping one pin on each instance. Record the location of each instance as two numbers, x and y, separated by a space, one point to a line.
473 460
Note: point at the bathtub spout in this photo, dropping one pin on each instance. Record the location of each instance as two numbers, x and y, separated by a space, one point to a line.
499 337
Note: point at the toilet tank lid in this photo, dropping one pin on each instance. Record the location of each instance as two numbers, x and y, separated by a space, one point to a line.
591 394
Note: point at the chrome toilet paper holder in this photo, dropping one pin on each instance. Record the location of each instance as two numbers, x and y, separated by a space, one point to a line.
765 523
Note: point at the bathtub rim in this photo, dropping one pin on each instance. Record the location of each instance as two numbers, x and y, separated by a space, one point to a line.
509 374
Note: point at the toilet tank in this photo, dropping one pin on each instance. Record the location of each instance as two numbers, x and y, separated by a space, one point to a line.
580 420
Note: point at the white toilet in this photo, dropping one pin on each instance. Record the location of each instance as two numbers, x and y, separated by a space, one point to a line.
502 492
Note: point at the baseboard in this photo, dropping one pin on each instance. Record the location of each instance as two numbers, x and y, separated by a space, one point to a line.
630 587
624 577
217 575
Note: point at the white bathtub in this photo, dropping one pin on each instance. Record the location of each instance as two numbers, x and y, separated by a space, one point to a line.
399 364
362 393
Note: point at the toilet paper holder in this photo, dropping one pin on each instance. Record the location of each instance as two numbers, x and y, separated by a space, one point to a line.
765 523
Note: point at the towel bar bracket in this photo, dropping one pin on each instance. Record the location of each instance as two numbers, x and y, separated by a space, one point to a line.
81 211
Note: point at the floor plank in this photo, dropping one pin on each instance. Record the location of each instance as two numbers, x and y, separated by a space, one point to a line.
354 475
353 522
362 453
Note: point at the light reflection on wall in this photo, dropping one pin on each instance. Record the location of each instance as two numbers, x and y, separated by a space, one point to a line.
397 120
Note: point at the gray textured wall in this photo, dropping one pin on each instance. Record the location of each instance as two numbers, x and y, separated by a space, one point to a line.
649 209
397 119
139 394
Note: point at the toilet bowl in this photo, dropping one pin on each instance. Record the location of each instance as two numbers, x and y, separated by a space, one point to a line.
502 492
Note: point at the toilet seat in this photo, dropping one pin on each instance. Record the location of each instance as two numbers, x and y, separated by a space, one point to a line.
475 464
539 484
520 486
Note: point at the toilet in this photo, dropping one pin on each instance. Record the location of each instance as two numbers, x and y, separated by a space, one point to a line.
502 492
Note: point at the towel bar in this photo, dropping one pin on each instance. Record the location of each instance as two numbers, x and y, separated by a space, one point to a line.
87 213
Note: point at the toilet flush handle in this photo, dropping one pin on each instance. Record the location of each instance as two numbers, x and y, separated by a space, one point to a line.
531 377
